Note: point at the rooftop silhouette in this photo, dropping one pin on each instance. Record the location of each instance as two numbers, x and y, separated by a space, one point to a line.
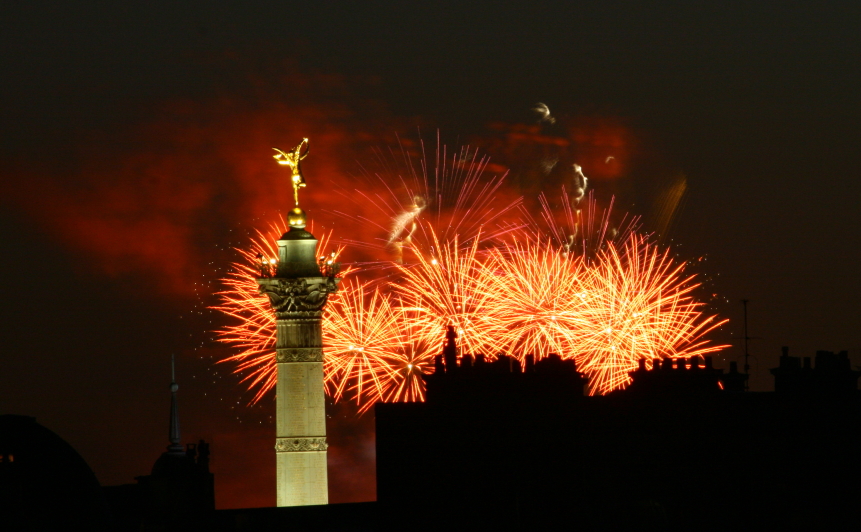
683 447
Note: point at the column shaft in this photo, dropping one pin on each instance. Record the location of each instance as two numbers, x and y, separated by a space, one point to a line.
300 414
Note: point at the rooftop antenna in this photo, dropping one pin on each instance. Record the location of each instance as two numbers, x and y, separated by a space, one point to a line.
746 352
175 446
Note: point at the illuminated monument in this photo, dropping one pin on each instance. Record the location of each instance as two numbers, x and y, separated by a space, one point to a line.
297 286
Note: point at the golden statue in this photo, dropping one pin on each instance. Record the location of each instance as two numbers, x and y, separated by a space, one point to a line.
292 159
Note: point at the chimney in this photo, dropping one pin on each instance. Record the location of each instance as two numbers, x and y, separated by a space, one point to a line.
530 363
449 350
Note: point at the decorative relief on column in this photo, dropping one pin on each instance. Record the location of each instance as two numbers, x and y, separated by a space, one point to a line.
298 295
299 354
300 444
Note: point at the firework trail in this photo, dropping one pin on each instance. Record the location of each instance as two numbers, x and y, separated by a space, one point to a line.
544 113
581 182
582 231
417 203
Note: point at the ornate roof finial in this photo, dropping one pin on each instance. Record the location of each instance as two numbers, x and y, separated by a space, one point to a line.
175 446
296 218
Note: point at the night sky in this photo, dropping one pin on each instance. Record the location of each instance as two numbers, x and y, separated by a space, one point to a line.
136 150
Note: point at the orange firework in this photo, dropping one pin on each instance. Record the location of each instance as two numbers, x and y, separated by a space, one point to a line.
535 298
446 289
640 306
629 302
369 352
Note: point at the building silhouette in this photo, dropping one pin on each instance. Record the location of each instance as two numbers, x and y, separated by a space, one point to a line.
831 375
178 494
497 446
44 482
504 446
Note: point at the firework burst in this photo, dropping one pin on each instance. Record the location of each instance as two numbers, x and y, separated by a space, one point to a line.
639 306
372 353
631 302
362 336
534 295
570 283
447 289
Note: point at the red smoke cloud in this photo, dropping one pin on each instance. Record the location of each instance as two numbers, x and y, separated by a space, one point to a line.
540 156
154 198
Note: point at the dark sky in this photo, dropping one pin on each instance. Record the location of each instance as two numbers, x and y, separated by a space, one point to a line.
135 147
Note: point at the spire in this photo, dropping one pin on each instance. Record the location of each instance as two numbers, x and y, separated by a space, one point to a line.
175 446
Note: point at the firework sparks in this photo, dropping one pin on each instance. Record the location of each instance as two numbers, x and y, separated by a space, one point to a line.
580 287
362 335
629 302
446 289
372 353
583 231
534 296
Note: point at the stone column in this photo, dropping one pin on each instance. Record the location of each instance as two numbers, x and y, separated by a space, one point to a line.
298 291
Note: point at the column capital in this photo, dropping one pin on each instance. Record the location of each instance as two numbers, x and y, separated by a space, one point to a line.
302 295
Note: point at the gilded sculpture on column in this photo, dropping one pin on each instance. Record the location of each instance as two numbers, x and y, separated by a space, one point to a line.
292 159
